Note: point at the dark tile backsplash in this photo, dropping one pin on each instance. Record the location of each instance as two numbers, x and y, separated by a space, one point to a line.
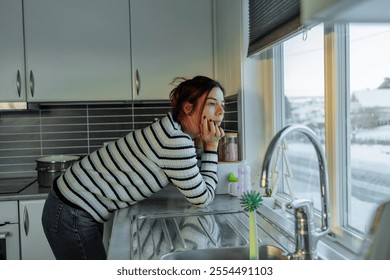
76 129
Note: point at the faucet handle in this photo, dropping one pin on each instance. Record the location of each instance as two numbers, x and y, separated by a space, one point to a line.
302 204
307 207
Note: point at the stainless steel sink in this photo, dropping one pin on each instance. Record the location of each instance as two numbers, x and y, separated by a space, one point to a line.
266 252
198 235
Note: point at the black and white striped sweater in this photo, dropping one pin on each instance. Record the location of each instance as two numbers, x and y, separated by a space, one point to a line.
138 165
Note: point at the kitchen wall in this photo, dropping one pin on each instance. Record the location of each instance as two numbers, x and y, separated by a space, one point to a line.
76 129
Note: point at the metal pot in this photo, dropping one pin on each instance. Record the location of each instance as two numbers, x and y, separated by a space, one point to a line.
50 167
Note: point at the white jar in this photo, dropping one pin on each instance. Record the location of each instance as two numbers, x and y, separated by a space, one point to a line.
230 147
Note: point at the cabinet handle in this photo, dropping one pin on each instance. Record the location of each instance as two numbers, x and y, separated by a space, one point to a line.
137 82
26 221
32 83
18 83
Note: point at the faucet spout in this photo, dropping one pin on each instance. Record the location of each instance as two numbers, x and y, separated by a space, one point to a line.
305 243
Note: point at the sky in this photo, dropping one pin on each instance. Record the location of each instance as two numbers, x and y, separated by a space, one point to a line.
370 55
369 60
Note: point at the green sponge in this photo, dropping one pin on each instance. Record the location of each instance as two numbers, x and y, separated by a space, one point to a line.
232 177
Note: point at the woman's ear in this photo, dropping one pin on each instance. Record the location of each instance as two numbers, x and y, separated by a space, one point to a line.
187 107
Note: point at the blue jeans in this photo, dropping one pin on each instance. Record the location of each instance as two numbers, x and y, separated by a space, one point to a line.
72 233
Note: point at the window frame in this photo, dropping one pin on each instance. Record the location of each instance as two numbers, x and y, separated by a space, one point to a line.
337 136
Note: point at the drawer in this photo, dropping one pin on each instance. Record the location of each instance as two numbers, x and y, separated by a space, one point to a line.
9 212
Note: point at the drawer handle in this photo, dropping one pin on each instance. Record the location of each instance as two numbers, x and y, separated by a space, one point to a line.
32 83
18 83
26 221
137 81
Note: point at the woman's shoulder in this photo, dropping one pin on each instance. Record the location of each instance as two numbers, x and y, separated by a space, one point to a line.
171 128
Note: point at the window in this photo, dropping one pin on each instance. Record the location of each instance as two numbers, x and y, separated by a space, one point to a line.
369 116
365 145
303 98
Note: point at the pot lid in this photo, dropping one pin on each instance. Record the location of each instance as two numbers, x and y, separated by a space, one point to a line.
57 158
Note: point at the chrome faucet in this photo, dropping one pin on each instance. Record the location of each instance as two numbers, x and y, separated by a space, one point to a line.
306 235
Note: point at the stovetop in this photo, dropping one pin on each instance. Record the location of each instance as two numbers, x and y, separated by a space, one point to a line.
15 185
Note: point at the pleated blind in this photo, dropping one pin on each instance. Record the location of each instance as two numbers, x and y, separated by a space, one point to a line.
270 21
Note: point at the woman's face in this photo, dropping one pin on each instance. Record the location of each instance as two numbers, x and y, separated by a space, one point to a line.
209 107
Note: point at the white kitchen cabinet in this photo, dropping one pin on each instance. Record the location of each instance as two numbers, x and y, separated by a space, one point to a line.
229 45
12 87
169 38
33 242
9 231
98 50
77 50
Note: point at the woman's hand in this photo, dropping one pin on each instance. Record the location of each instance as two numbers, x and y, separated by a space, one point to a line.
210 133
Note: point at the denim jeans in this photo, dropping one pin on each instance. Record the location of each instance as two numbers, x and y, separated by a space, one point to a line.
72 233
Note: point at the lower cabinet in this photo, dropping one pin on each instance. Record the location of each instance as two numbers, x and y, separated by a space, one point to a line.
33 242
9 231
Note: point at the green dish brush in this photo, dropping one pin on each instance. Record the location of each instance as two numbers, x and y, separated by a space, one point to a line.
251 200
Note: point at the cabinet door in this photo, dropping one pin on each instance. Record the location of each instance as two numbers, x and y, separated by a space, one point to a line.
77 50
229 44
9 230
33 242
169 38
11 51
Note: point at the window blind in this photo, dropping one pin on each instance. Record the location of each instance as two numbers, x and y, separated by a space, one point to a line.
270 21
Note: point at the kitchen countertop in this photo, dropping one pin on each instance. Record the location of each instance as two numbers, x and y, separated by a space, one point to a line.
29 189
167 222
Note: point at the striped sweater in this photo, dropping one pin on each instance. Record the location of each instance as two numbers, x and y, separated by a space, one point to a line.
136 166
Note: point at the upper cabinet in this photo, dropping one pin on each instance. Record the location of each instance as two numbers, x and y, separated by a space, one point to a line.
99 50
170 38
11 52
228 44
77 50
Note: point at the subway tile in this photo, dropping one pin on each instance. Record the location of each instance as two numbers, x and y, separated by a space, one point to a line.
112 127
64 128
63 121
16 160
64 143
20 137
67 113
108 134
19 129
64 135
16 145
9 153
110 111
98 143
111 119
65 151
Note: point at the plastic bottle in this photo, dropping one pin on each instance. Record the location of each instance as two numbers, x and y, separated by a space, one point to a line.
244 178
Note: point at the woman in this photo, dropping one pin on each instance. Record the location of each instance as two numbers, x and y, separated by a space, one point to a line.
136 166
